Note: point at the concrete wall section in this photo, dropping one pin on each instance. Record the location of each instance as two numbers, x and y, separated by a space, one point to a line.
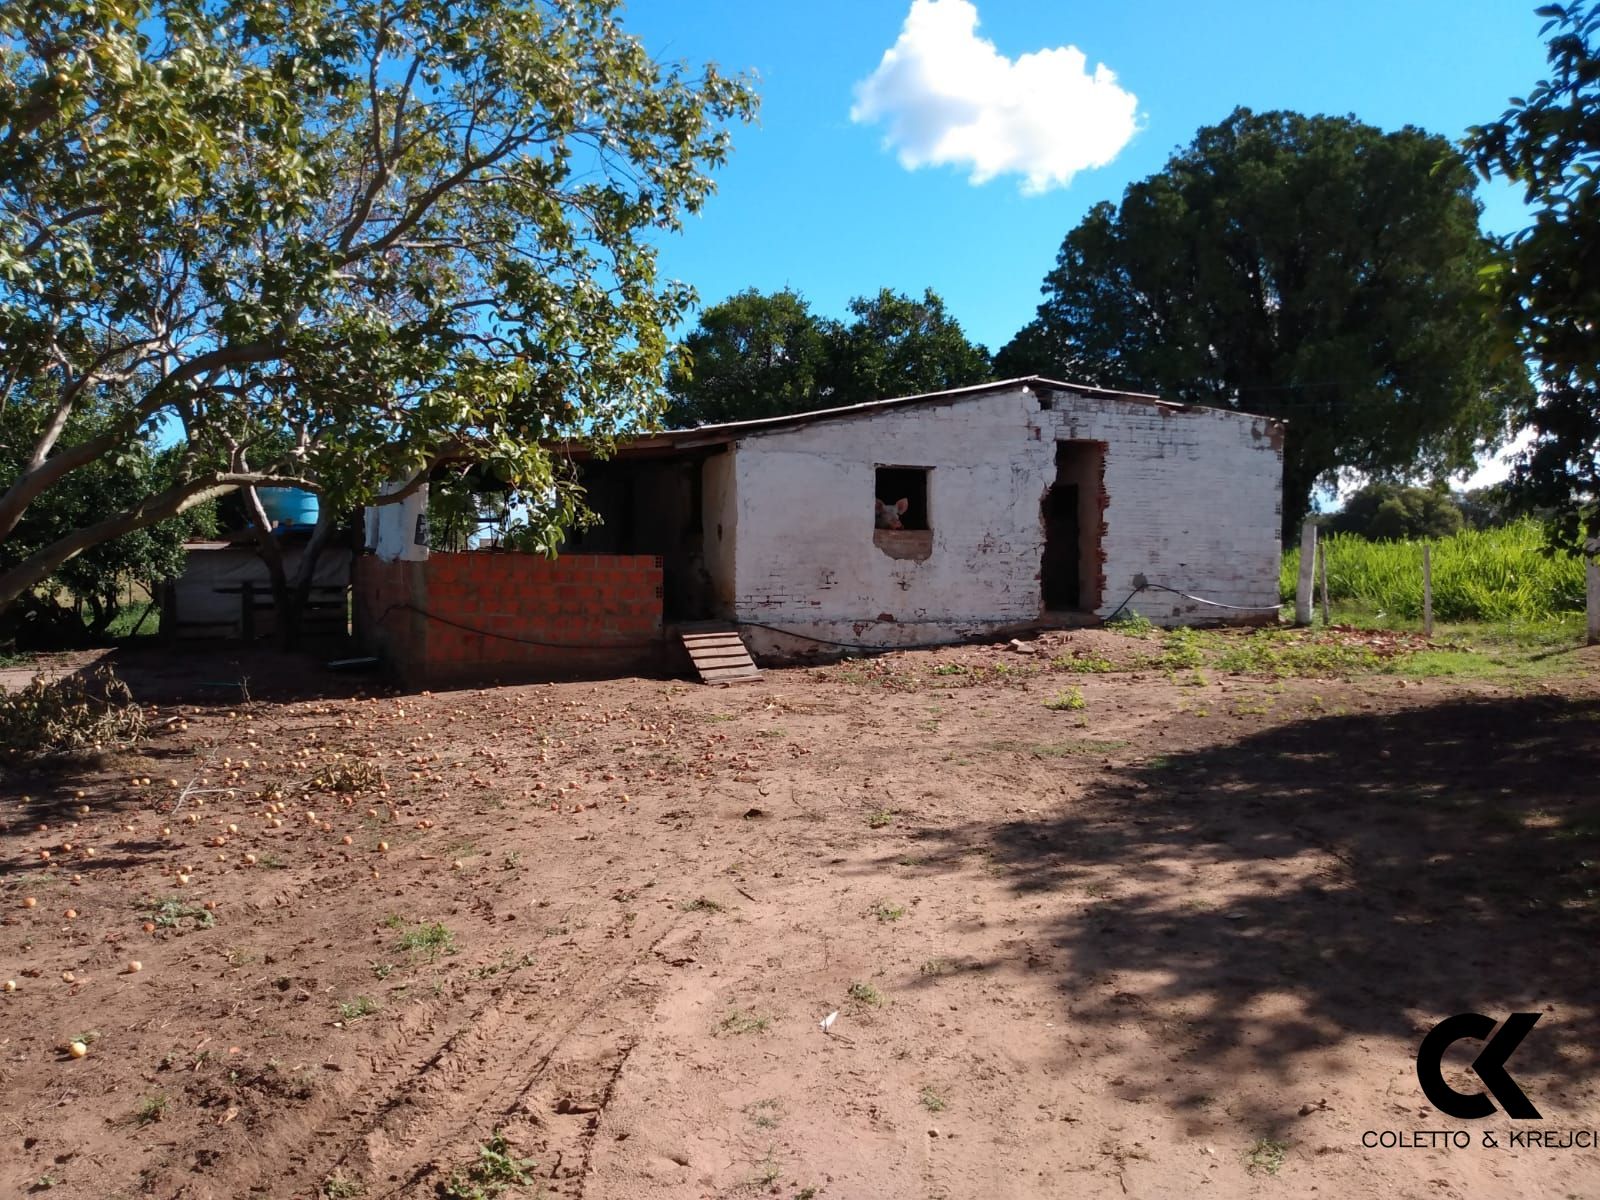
1191 501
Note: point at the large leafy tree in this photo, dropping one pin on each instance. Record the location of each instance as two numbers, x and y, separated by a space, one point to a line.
767 354
1549 142
755 354
1311 268
1392 511
898 345
331 245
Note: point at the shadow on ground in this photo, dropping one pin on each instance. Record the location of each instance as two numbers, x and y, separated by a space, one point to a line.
210 679
1277 896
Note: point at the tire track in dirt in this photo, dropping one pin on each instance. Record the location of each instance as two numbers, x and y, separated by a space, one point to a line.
435 1111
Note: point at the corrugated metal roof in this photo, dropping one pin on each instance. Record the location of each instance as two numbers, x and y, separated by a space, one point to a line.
673 440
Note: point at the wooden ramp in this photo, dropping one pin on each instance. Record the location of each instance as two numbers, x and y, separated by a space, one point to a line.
718 653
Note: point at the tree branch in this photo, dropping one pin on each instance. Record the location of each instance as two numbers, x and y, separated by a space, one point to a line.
176 500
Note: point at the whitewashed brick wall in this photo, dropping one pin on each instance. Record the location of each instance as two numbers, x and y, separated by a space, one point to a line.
1194 502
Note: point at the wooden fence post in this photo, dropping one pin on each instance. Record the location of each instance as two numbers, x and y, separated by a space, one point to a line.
1308 567
1427 590
1322 579
1592 575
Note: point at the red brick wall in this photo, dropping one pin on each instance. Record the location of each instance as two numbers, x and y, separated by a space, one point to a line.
480 616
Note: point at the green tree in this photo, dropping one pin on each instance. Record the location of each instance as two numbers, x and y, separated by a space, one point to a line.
1491 507
766 355
1549 287
1310 268
334 245
1394 512
754 355
900 346
101 575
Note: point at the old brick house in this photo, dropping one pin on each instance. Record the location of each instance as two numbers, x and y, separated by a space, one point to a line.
1026 501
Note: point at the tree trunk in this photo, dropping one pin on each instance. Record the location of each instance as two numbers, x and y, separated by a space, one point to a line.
307 572
286 619
43 563
102 611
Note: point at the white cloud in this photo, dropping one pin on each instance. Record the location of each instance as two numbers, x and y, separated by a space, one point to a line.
949 96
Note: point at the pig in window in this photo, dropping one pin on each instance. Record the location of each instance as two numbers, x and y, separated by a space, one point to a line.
888 515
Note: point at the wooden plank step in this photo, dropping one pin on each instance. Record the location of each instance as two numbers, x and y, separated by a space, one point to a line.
717 651
719 655
723 658
745 676
725 663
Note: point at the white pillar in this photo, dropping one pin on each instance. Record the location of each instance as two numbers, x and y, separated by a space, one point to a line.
1593 575
1308 572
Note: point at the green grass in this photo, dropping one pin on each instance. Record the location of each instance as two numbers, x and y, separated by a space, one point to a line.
931 1100
506 964
1283 653
337 1187
151 1109
1131 622
1072 748
701 904
885 911
427 941
865 994
1266 1156
173 911
739 1021
354 1010
879 818
1070 700
1521 651
1500 575
135 617
1507 652
767 1172
1083 664
495 1173
1185 649
764 1114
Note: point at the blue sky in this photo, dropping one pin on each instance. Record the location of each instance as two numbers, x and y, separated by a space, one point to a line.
815 201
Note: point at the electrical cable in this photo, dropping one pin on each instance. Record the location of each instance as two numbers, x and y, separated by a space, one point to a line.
806 637
820 641
509 637
1157 587
1160 587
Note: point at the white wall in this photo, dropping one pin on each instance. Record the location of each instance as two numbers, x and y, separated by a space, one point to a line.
1194 500
227 566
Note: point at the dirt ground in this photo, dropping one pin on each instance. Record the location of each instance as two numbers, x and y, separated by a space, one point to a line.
1086 934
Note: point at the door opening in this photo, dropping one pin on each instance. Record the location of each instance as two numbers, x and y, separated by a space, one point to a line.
1069 575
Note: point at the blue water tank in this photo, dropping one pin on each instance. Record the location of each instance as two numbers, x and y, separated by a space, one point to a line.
288 507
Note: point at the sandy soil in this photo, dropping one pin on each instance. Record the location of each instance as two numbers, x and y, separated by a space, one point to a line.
1183 940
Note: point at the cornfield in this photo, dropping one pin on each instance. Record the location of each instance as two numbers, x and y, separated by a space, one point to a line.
1499 575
